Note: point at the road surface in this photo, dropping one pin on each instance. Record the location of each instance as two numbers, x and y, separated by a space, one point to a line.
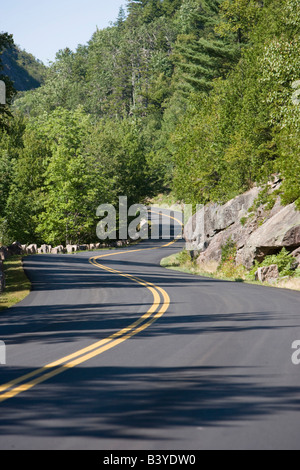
111 351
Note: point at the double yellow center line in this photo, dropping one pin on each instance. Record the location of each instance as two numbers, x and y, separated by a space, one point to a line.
161 303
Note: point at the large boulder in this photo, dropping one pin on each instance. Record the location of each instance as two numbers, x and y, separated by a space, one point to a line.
267 273
296 255
214 219
262 233
219 218
282 230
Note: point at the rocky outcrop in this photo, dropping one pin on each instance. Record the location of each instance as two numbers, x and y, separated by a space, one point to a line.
296 255
267 274
255 234
282 230
209 224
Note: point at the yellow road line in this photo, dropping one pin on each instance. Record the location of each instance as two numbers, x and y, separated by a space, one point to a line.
27 386
13 388
93 350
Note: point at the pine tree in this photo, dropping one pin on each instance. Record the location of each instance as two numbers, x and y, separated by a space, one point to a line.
121 18
152 9
203 61
145 11
200 54
169 7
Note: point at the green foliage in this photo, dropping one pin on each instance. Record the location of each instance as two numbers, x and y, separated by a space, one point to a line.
200 55
266 198
284 260
184 257
70 187
23 69
228 268
197 96
228 251
248 127
239 17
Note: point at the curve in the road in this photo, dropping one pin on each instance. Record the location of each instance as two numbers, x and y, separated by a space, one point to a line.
161 303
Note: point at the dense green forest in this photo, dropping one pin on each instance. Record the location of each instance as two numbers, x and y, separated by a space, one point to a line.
23 69
197 97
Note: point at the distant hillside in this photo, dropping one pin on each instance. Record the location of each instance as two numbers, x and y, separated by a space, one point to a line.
25 71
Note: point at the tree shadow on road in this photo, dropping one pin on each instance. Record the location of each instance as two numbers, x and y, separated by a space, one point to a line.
133 403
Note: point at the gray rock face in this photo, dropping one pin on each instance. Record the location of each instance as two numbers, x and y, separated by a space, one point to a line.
219 218
264 233
296 255
214 219
279 231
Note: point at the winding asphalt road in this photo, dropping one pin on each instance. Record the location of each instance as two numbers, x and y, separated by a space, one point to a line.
111 351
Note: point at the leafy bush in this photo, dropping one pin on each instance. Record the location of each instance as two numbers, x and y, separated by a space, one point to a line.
284 260
228 251
184 257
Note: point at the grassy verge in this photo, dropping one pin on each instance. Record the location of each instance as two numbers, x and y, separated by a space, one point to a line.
226 272
17 285
182 262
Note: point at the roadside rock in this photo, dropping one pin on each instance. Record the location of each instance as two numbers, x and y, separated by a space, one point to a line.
292 237
267 273
31 249
255 235
72 248
45 249
296 254
57 250
279 231
219 218
213 219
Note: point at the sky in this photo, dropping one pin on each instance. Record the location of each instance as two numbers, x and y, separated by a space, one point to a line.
44 27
